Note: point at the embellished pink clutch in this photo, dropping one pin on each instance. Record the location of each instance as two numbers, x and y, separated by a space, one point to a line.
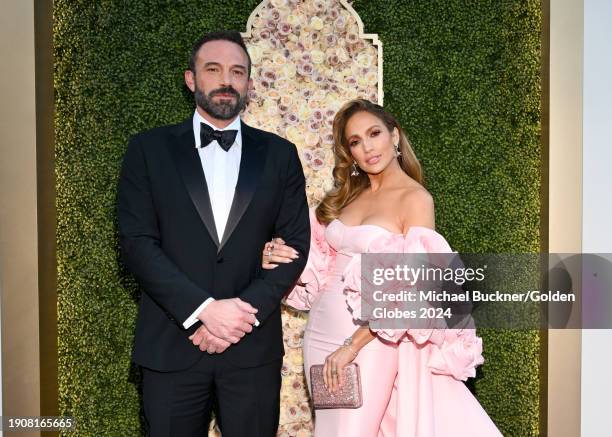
349 394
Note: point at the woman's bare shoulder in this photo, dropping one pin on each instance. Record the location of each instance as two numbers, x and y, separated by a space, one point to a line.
416 207
416 193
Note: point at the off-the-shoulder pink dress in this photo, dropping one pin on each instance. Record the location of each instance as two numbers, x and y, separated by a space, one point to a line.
411 379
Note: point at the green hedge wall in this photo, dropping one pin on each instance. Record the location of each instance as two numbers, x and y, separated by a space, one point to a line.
462 78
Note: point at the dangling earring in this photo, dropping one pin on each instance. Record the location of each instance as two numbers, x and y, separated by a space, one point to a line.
398 153
354 172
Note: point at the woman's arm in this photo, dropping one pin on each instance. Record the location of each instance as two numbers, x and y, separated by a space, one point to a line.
335 363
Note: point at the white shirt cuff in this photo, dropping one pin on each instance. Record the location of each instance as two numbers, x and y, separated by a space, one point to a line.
193 318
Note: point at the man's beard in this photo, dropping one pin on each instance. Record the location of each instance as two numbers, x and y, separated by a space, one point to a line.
223 110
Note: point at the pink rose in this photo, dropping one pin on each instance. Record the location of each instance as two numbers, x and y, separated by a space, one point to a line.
314 126
340 23
273 15
352 38
333 60
318 79
292 119
328 139
284 29
305 69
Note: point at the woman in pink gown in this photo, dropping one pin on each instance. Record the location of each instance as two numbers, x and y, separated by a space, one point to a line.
412 379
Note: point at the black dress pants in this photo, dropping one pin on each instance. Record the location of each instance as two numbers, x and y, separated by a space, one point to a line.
179 404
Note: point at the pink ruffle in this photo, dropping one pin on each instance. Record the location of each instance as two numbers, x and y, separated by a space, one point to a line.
418 240
459 354
320 260
453 352
352 286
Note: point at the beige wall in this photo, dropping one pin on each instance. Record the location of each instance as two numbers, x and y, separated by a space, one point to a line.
18 216
565 201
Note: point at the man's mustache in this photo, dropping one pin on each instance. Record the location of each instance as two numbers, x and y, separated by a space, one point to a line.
225 90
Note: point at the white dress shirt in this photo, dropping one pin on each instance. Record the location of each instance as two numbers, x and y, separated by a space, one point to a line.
221 171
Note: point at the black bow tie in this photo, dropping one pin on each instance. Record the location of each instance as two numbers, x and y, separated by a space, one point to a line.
225 138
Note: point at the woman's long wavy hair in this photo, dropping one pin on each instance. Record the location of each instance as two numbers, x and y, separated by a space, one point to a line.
347 187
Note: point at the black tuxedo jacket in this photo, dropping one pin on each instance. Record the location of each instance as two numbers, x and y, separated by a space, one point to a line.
170 244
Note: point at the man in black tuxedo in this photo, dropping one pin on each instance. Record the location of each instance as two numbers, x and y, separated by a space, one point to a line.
197 202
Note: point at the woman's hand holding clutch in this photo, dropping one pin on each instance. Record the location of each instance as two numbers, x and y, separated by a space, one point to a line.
335 364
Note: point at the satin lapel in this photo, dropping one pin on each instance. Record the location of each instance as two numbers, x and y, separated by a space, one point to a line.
189 166
252 164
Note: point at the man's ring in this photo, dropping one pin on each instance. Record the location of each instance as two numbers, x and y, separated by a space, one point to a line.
334 372
269 253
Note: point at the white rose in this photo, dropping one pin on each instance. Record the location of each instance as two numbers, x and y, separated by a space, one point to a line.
342 54
316 23
284 10
328 29
293 19
288 70
362 81
338 76
319 95
293 134
314 104
296 358
279 59
317 56
332 100
364 60
258 22
311 139
304 112
286 100
328 183
371 78
256 52
272 94
281 83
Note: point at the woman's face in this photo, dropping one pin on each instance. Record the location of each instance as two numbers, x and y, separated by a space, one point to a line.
371 144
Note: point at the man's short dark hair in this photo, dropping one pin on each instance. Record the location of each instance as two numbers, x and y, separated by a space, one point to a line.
221 35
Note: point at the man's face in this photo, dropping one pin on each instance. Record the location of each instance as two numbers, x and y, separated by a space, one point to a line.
220 83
